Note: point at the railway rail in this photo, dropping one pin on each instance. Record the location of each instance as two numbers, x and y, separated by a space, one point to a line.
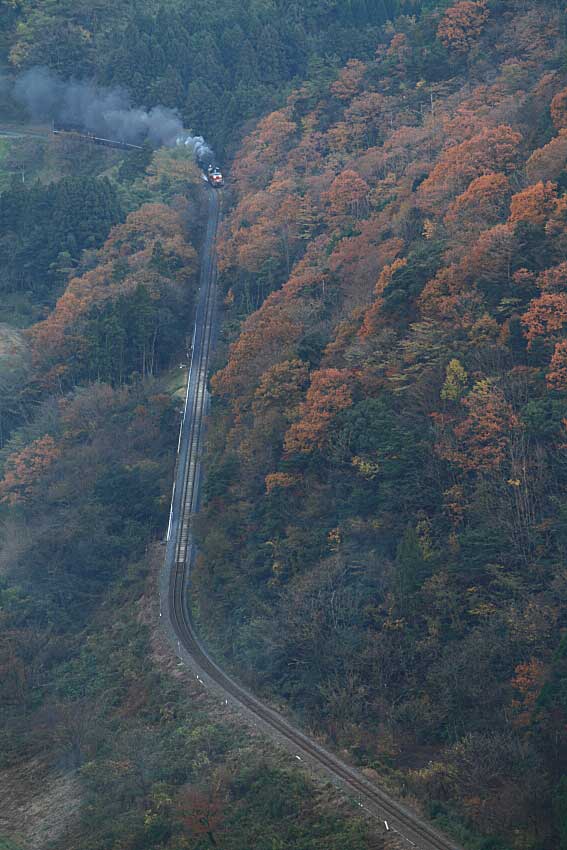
397 819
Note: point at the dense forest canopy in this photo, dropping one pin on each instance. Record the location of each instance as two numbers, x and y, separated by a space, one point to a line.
387 453
383 544
46 228
220 64
92 713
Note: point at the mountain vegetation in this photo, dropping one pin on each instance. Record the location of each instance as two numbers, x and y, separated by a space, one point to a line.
383 546
90 418
383 540
221 64
45 229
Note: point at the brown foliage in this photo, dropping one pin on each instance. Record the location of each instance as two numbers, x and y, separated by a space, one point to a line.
557 373
268 336
420 177
559 110
25 469
483 436
200 814
329 393
451 296
349 80
546 315
132 244
348 196
281 387
492 256
280 481
371 317
490 151
462 25
360 259
482 203
534 204
528 682
399 50
481 206
263 149
548 162
554 279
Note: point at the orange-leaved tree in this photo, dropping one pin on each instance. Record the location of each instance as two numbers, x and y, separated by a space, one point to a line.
482 438
329 393
527 682
559 110
200 814
557 373
553 279
348 196
548 162
349 80
546 315
481 205
281 481
371 315
451 296
534 204
492 256
462 25
24 469
493 150
268 336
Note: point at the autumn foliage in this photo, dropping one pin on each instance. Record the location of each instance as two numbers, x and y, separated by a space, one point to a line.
559 110
534 204
483 435
24 470
328 394
490 151
149 250
393 406
462 25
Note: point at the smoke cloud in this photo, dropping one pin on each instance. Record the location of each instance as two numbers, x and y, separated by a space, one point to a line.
107 113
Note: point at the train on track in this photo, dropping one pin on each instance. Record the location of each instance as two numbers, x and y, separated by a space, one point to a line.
212 173
81 135
215 176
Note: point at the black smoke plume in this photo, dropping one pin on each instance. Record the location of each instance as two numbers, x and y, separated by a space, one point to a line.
107 113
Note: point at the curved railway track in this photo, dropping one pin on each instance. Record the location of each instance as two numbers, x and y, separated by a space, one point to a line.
396 817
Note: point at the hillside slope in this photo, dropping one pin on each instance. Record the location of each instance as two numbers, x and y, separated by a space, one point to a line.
104 741
220 63
383 537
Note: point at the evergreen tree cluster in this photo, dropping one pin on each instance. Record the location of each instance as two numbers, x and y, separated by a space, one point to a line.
43 230
220 64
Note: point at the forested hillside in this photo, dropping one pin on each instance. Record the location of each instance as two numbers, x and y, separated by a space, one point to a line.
103 743
220 63
100 745
383 543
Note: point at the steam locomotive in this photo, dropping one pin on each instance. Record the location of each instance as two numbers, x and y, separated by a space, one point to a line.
214 176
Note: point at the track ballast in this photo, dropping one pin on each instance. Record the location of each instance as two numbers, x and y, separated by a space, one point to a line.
175 611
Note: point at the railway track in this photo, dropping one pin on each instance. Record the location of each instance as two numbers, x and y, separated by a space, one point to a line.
17 133
397 819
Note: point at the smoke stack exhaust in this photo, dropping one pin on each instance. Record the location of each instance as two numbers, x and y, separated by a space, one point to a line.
107 113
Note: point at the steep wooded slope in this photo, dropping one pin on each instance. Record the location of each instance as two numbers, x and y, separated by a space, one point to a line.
220 63
103 741
383 539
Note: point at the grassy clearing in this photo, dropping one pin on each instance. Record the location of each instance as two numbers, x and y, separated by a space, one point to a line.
176 381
